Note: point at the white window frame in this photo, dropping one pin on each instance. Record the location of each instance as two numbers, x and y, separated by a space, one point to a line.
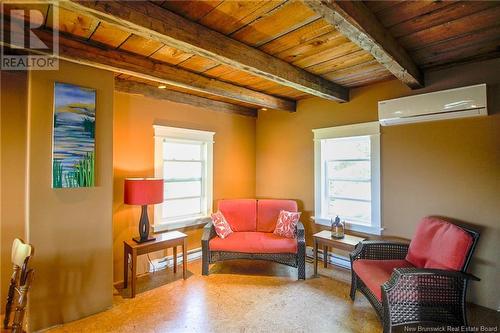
371 129
162 133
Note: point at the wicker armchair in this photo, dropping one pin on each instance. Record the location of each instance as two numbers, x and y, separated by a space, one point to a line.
414 295
297 260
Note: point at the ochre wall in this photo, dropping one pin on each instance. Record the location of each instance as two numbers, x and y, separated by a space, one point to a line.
71 229
13 168
449 168
234 158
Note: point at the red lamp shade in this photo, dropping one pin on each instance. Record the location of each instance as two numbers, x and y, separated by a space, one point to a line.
143 191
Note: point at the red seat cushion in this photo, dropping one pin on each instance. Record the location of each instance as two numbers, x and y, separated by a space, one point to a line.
374 273
439 244
254 242
241 214
269 210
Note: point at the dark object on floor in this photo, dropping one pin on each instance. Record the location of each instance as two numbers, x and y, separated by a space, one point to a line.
423 282
20 283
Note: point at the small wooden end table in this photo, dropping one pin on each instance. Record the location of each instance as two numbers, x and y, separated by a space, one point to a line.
163 241
348 243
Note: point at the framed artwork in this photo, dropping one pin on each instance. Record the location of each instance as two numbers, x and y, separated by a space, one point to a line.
73 141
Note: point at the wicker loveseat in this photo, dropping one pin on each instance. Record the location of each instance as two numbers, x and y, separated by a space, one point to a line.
253 222
424 282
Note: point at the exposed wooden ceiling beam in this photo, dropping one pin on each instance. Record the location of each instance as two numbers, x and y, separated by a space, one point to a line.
75 50
144 89
148 20
354 20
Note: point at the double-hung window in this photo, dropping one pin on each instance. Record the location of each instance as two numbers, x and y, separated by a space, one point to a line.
347 176
184 160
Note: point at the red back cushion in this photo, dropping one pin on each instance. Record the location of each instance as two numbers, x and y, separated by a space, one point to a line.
268 212
241 214
439 244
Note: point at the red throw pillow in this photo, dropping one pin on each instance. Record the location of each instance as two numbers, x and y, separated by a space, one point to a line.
287 223
222 228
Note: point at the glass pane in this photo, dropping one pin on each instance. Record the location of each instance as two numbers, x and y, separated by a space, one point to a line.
349 170
357 147
182 207
182 189
350 190
181 151
182 170
357 210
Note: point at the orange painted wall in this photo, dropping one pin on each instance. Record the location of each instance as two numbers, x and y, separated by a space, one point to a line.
70 228
285 147
13 91
449 168
234 158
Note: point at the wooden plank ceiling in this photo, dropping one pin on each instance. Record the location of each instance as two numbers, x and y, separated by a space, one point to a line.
433 33
442 33
288 30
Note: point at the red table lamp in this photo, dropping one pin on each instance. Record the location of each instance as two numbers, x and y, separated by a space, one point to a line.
144 192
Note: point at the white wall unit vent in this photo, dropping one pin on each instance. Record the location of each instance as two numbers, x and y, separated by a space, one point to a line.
446 104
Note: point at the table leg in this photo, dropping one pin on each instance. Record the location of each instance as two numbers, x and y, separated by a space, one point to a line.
134 272
125 266
175 259
325 256
184 259
315 257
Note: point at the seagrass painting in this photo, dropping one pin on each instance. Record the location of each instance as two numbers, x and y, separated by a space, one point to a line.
73 136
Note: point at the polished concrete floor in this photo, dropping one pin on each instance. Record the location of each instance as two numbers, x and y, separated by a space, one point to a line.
239 296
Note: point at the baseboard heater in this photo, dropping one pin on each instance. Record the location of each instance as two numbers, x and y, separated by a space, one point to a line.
156 265
195 254
332 258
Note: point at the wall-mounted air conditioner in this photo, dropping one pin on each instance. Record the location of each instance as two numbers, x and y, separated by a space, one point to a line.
447 104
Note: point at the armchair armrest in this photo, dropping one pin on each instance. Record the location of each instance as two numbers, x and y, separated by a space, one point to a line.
379 250
425 295
416 274
208 232
300 232
427 290
301 250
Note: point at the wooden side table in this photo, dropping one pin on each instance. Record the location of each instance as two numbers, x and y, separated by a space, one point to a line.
324 238
163 241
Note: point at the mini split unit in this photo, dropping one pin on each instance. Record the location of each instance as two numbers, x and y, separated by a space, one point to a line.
447 104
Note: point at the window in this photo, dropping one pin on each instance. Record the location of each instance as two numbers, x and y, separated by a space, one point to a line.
183 158
347 176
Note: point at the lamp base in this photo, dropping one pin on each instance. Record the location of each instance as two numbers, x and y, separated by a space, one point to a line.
140 240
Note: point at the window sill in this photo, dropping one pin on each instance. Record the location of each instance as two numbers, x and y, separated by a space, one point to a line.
371 230
167 226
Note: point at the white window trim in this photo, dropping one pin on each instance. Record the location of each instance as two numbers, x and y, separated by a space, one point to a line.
173 133
370 128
